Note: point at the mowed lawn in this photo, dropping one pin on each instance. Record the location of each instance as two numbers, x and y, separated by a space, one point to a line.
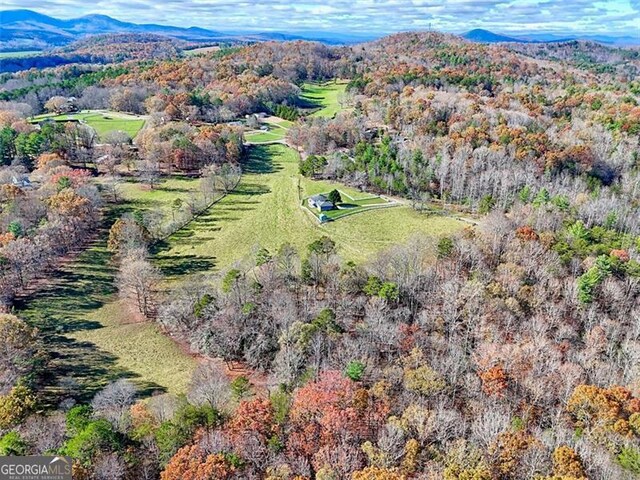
325 97
261 136
265 211
102 121
277 130
161 197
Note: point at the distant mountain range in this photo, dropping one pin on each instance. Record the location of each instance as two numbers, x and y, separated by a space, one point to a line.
26 29
485 36
29 30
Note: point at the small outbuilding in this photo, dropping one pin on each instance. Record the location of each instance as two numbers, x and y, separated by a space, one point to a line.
321 203
22 182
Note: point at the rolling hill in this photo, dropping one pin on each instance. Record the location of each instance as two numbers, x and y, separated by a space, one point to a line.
480 35
29 30
485 36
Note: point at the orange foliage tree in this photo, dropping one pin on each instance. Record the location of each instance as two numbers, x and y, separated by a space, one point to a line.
494 381
603 408
192 463
329 410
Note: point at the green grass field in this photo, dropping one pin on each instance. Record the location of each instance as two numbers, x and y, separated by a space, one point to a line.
357 202
276 132
162 196
266 210
262 137
25 53
93 338
313 187
101 121
323 99
282 123
201 50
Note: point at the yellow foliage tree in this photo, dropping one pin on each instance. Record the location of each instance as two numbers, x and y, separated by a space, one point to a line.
378 473
15 406
567 463
419 377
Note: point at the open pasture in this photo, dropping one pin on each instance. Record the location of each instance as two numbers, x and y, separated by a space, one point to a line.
102 121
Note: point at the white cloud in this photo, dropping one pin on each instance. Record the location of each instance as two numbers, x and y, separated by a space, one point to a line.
363 16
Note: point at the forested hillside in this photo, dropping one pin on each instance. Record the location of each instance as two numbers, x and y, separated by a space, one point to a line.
483 326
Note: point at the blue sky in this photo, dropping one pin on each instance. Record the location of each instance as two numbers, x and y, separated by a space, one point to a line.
617 17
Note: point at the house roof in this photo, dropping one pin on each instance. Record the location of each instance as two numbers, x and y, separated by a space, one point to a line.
319 198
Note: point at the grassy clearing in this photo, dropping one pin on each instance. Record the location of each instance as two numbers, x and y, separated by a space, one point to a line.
93 338
272 135
162 196
276 131
201 50
265 210
313 187
101 121
281 122
22 54
323 99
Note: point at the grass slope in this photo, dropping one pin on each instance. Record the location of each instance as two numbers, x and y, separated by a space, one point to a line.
161 197
93 338
324 97
102 121
268 136
277 130
201 50
265 210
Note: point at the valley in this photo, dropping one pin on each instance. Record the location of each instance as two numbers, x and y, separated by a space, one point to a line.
230 256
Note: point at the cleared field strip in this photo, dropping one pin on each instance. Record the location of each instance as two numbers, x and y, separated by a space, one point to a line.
102 121
323 99
265 210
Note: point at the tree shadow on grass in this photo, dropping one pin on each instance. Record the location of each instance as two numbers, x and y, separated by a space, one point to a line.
66 305
260 161
309 101
173 189
181 265
249 189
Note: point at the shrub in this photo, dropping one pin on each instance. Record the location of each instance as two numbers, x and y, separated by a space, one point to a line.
240 387
445 247
629 459
355 370
230 280
97 437
12 444
200 305
389 291
15 406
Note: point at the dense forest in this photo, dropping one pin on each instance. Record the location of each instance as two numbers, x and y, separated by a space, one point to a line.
509 350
